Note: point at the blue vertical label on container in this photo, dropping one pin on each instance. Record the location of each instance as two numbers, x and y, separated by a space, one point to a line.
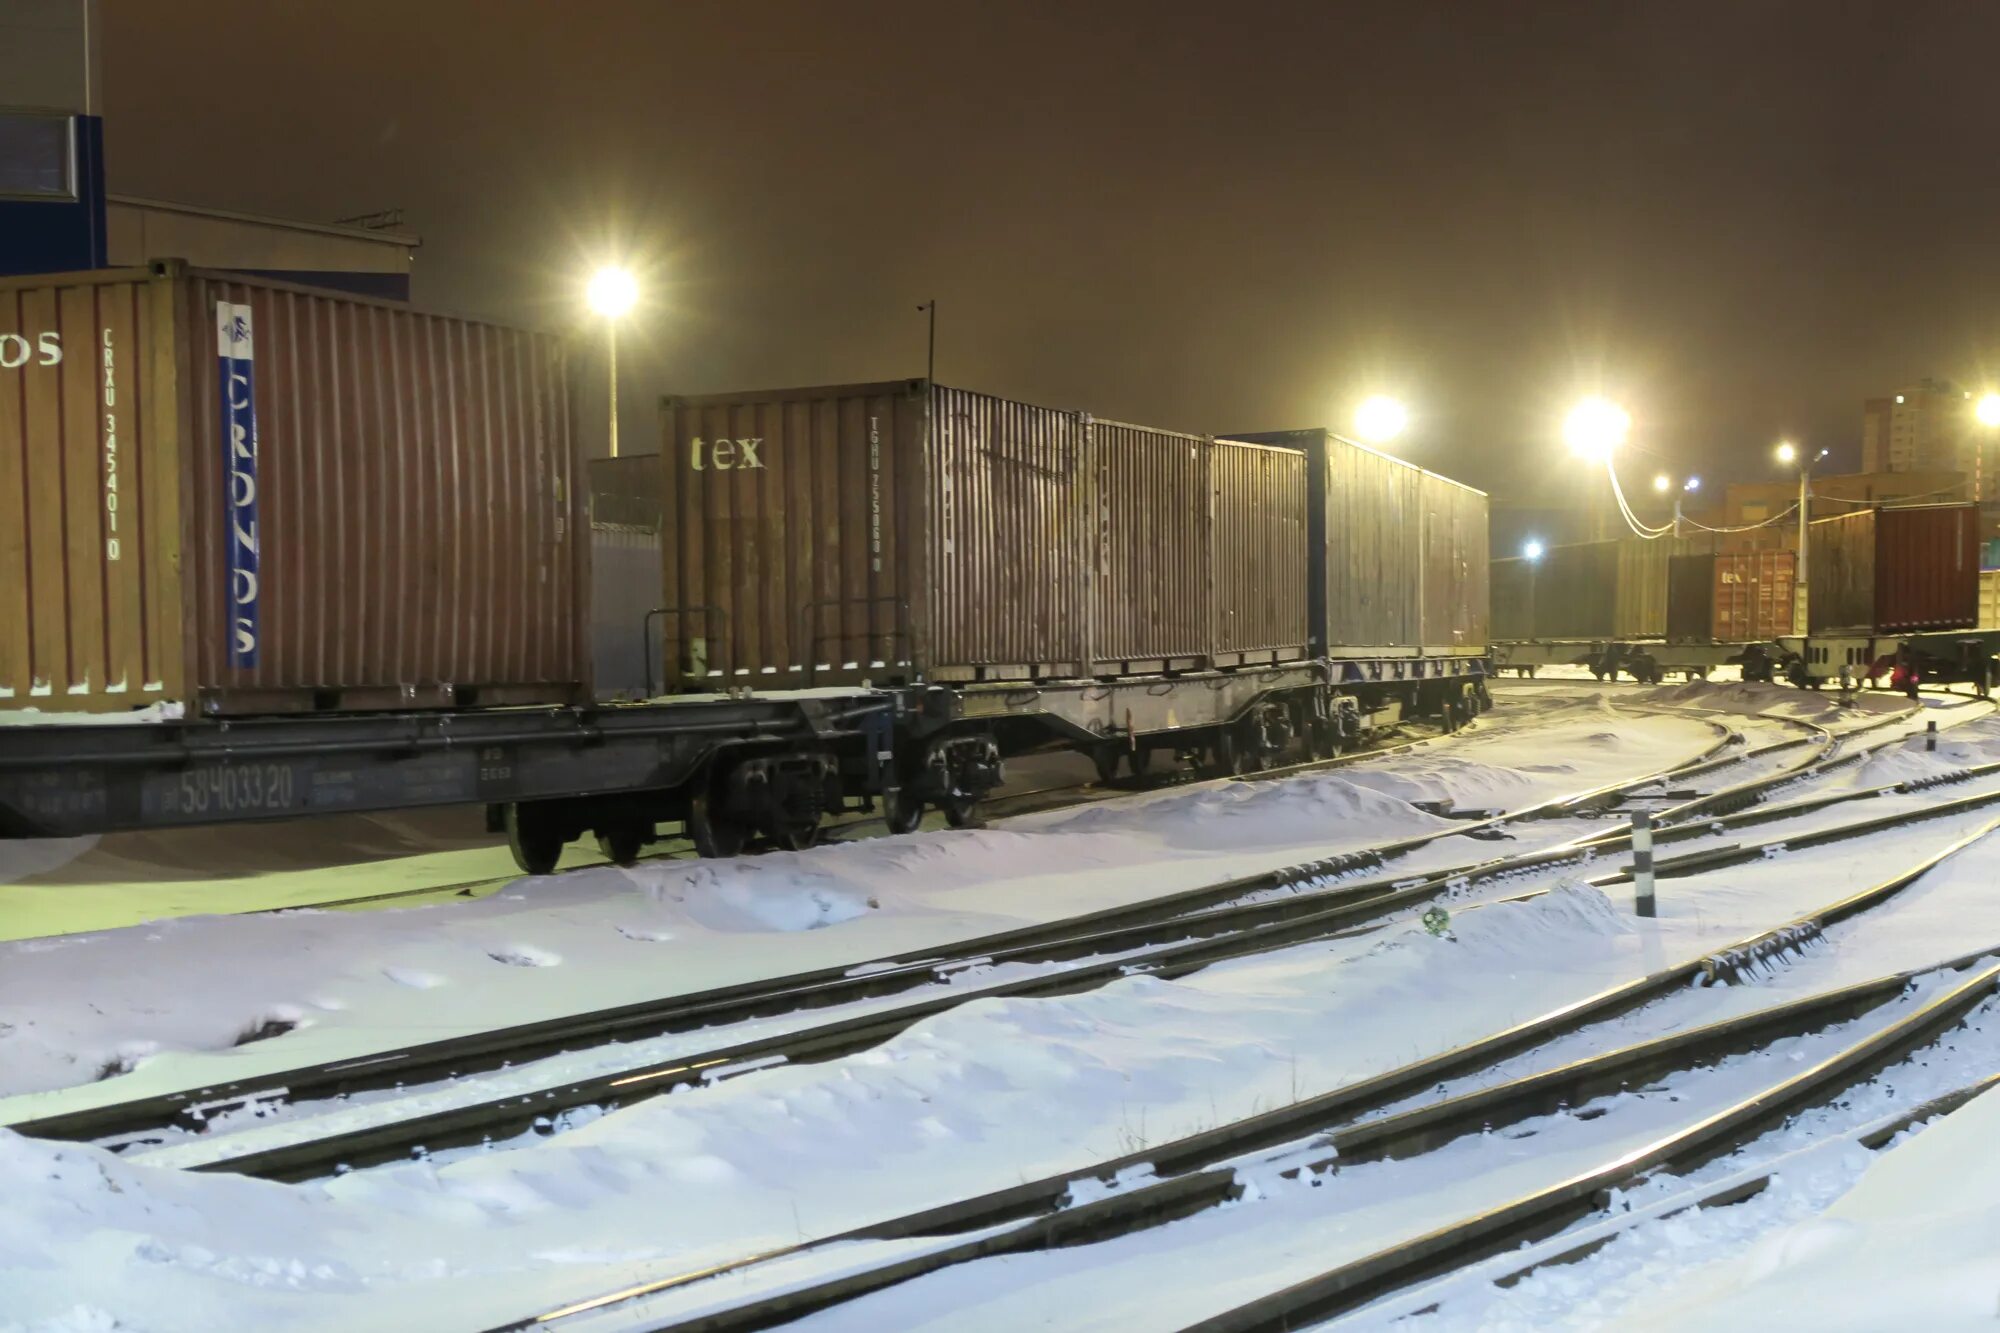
235 361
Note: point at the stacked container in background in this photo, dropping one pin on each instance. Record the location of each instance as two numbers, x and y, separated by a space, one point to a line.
1889 571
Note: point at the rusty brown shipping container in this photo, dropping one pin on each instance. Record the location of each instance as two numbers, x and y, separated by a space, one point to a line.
1151 594
1259 554
1894 571
873 531
1736 597
393 520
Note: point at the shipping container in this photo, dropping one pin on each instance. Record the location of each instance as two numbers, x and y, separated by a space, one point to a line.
1606 590
1258 554
244 496
1740 597
1894 570
1513 604
1989 599
1401 558
871 532
1151 601
624 574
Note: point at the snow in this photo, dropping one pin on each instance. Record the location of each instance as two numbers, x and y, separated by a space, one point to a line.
986 1095
162 711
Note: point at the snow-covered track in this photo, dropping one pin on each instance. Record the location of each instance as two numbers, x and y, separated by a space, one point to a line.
1546 1211
1171 918
372 1138
1162 1184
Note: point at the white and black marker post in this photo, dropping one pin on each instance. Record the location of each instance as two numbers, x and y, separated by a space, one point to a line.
1642 860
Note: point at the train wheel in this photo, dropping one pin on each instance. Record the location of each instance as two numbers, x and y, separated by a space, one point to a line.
903 812
960 811
622 842
535 842
713 832
1106 758
796 835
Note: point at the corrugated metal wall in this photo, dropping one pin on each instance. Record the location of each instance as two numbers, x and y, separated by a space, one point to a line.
1008 536
1260 554
1150 590
90 488
1755 595
1927 568
1513 605
420 505
786 518
1456 601
1373 550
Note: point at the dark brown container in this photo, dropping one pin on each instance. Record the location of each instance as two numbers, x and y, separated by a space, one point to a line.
873 531
417 510
1738 597
1894 571
1260 563
1513 599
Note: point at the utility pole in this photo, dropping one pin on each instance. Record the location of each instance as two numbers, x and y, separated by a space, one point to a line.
930 360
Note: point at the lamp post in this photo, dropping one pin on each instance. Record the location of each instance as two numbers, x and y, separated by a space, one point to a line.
611 294
1788 453
1987 413
1531 551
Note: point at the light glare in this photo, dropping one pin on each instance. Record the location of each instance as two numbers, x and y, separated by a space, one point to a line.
1532 549
1787 452
1662 482
1988 410
1693 484
1380 419
612 292
1595 428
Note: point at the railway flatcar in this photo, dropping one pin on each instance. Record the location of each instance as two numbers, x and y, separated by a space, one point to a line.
1894 584
863 597
1643 607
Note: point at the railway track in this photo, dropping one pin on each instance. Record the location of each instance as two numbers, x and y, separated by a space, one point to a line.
1169 937
1305 887
1365 1122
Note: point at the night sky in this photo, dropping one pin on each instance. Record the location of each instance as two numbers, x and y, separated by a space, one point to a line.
1738 219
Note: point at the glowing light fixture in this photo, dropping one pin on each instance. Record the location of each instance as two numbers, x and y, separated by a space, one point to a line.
1693 484
1787 452
1595 428
1663 483
612 292
1988 410
1532 549
1380 419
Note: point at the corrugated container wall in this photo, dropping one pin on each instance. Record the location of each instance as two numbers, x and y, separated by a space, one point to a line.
624 573
1576 591
1891 571
404 531
1690 598
1457 593
1755 596
1989 599
1401 564
871 532
1259 554
1150 594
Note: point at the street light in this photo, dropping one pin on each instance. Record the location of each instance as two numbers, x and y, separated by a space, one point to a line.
1595 428
1692 484
1531 549
1662 482
1380 419
1988 410
1788 453
612 293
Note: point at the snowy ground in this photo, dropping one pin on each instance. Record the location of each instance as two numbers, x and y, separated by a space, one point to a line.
987 1095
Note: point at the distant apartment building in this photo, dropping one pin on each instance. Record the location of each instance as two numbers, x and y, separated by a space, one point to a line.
1755 501
1929 427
